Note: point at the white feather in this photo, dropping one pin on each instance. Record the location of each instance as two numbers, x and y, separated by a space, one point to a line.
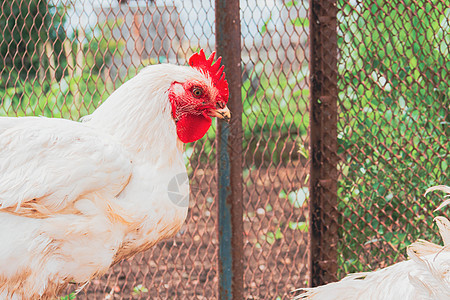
76 198
425 276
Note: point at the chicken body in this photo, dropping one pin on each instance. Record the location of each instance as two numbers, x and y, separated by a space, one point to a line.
77 197
425 276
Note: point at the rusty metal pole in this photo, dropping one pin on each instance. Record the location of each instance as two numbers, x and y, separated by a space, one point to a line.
229 139
323 134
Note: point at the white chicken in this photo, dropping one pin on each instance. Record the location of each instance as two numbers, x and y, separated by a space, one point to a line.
425 276
78 197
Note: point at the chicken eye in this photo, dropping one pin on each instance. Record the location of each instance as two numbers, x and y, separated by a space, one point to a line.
197 92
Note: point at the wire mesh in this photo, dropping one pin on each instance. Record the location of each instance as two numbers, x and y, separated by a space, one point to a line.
393 126
275 121
63 58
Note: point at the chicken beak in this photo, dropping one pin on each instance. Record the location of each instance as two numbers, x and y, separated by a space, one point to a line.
222 113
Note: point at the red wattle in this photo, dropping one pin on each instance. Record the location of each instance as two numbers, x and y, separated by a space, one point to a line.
191 128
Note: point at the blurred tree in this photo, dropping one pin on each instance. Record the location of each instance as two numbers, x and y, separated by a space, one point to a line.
25 26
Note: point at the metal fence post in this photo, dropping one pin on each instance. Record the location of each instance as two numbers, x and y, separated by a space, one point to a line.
323 134
229 138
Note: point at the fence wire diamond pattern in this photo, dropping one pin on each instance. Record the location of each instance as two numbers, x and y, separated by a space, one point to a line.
63 58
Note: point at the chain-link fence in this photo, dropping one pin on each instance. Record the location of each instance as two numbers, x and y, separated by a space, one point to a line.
63 58
393 126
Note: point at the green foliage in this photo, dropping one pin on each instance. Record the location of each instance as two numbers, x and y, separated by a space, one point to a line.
71 296
24 26
394 125
102 48
20 23
69 98
300 22
272 113
139 290
271 237
68 95
302 226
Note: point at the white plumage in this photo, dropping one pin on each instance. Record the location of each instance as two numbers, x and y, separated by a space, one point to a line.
76 198
425 276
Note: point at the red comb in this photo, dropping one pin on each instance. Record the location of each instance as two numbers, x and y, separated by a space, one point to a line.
213 70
